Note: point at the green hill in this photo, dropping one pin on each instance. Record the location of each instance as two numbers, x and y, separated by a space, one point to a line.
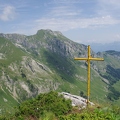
53 106
39 63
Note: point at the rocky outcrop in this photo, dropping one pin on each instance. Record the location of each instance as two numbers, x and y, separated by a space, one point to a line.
77 100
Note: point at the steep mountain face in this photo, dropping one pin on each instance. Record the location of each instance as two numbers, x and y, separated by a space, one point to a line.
111 72
47 39
42 62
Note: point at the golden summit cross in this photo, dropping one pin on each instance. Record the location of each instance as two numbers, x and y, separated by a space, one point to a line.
89 58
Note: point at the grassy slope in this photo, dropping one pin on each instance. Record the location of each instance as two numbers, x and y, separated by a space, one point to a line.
66 69
117 88
11 54
110 69
7 102
52 106
71 83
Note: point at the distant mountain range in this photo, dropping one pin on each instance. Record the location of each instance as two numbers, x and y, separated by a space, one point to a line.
99 47
30 65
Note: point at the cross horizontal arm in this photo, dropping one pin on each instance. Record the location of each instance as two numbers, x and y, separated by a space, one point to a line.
80 58
97 59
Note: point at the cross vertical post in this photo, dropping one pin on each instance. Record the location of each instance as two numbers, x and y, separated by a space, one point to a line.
88 59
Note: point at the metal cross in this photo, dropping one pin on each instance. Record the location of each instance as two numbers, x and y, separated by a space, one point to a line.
88 59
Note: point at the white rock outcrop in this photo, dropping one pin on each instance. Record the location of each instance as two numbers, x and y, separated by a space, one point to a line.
76 100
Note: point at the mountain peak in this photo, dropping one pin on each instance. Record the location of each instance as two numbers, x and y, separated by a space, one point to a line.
48 31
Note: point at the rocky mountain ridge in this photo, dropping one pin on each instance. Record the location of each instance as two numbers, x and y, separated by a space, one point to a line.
52 40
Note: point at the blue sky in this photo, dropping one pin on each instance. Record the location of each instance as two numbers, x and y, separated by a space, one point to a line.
83 21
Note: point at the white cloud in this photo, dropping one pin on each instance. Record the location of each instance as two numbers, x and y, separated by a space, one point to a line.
109 7
67 24
71 1
61 24
64 11
8 13
114 3
65 16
